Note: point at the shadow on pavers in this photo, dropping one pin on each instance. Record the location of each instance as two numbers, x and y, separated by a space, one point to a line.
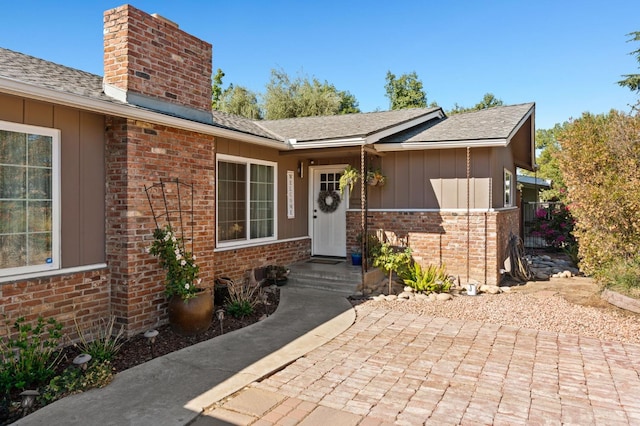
175 388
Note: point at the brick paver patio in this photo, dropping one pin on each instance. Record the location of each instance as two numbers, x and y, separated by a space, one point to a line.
398 368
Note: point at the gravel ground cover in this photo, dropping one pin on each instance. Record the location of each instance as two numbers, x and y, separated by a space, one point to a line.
540 311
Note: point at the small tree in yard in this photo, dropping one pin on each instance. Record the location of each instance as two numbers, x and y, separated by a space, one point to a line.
391 260
600 162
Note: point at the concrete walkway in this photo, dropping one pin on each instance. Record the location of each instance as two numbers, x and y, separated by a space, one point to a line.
175 388
407 369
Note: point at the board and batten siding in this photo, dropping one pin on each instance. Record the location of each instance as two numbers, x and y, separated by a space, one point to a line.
287 228
82 173
433 179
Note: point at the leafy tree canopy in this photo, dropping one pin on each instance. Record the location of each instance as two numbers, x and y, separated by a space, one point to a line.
632 81
239 100
216 89
549 149
405 91
488 101
304 97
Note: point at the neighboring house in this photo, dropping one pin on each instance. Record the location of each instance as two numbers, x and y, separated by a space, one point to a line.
530 187
77 150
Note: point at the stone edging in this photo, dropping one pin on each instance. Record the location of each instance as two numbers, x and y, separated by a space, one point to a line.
621 301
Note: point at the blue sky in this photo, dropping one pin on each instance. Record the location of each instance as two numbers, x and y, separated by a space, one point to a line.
564 55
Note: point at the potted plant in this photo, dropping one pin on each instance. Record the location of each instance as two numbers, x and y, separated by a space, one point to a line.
190 307
356 256
375 177
348 178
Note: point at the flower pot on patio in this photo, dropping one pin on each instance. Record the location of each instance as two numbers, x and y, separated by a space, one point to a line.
192 316
356 259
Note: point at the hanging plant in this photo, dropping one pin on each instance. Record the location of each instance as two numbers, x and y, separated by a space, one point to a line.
328 201
348 178
375 177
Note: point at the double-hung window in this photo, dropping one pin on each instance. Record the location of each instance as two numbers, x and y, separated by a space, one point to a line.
29 199
246 200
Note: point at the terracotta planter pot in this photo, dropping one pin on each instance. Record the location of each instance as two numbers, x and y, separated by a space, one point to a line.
193 316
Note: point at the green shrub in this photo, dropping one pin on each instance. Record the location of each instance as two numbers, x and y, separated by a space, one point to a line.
75 380
239 309
600 163
99 340
623 275
242 300
432 279
29 360
391 260
373 245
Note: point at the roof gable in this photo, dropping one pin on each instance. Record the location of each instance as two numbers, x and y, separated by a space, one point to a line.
487 124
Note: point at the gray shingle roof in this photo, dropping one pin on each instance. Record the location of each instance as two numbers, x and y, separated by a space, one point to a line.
237 122
492 123
49 75
342 126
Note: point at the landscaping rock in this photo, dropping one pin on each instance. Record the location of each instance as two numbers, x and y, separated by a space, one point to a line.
432 297
421 297
544 267
391 297
541 276
444 296
405 295
408 289
491 289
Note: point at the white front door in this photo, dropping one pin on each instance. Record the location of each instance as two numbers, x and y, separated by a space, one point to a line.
329 213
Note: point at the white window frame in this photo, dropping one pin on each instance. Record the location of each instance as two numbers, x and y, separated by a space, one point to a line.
248 241
54 263
508 188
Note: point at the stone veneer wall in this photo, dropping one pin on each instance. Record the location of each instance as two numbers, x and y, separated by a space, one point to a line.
442 238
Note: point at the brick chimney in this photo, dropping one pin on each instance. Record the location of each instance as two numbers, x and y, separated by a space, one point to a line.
150 62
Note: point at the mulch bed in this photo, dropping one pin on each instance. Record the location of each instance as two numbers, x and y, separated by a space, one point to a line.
136 349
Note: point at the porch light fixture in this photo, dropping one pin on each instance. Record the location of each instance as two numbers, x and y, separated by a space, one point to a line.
301 169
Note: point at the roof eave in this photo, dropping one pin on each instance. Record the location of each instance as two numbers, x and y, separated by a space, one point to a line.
329 143
19 88
412 146
375 137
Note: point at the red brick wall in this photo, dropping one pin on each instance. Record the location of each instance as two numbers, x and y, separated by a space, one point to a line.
234 263
138 155
442 237
153 57
83 295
